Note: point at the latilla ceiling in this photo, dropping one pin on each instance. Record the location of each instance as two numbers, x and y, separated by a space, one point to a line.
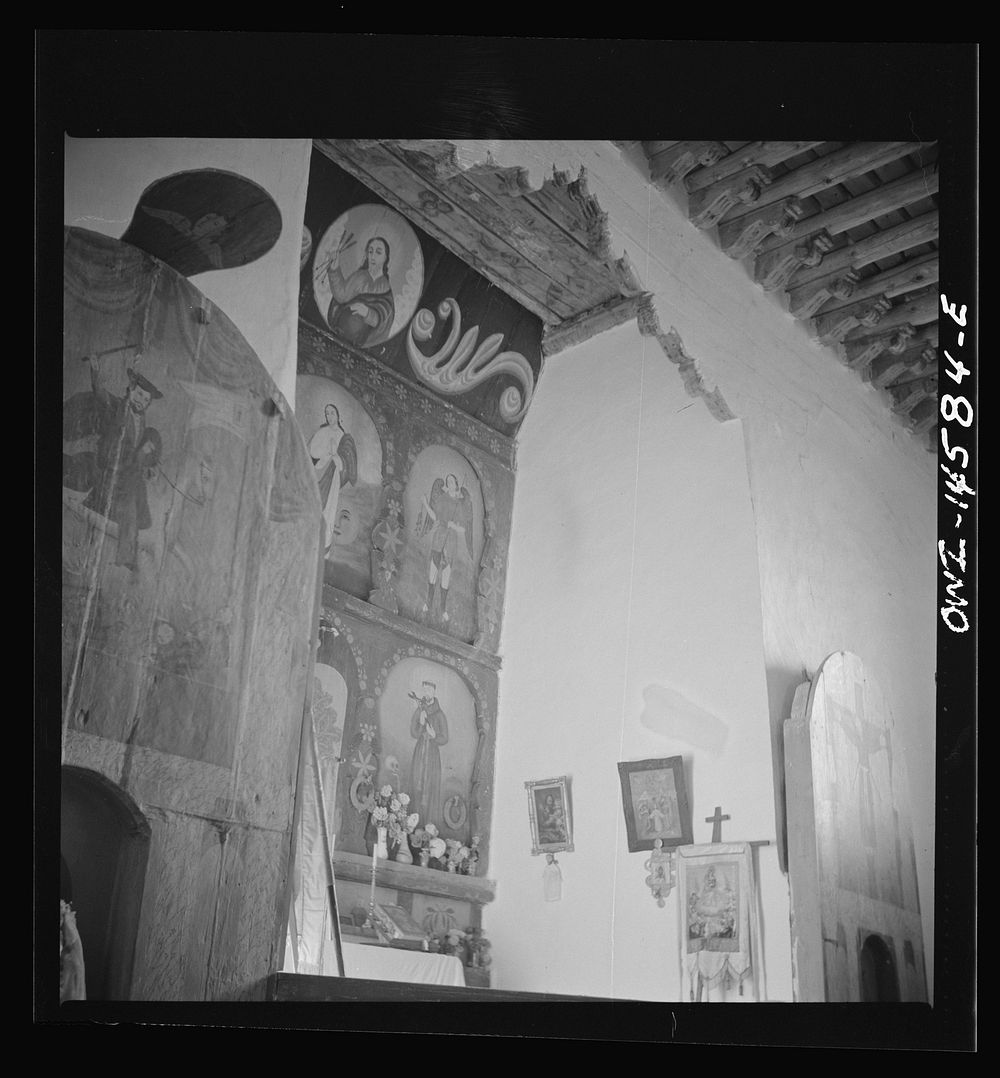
847 233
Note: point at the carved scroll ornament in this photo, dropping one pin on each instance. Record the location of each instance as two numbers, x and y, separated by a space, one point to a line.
459 366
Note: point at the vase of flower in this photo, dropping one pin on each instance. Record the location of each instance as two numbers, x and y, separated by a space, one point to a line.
403 855
425 856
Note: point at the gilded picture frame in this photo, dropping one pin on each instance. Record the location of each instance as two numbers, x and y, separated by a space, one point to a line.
655 801
549 813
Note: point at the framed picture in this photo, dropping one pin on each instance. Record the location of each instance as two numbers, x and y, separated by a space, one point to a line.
549 811
656 803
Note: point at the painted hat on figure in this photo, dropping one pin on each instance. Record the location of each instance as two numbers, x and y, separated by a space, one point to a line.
136 379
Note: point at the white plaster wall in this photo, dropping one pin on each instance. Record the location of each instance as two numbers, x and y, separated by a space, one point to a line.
633 605
843 500
105 177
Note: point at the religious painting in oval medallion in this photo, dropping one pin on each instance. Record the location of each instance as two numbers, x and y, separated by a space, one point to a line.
346 452
368 273
444 514
427 721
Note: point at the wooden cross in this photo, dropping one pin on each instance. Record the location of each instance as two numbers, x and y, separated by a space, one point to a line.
716 821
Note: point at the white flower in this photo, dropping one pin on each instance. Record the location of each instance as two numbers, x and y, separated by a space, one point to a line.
394 805
386 790
431 830
437 847
404 799
412 820
379 814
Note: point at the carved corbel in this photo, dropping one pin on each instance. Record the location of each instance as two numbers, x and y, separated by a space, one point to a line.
707 208
861 352
908 395
774 270
673 164
888 367
832 328
742 237
807 301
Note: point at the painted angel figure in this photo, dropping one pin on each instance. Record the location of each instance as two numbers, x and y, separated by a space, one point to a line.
335 465
448 513
362 307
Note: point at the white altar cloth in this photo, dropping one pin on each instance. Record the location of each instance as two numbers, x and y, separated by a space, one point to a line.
373 963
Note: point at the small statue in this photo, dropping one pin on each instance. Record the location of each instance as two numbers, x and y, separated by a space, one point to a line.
552 879
471 864
660 878
479 948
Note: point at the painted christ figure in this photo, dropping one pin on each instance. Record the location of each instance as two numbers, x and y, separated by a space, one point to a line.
335 465
362 307
429 728
448 512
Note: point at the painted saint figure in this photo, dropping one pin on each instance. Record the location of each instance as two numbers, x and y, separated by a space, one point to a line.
449 514
128 452
362 308
429 728
335 465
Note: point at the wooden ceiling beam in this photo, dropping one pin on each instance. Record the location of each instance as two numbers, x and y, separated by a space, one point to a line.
923 418
888 241
742 237
853 160
707 207
756 153
917 311
858 354
672 161
916 185
775 270
908 277
914 362
833 328
906 397
804 302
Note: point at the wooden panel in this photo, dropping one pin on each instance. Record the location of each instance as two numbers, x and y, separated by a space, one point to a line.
553 250
430 318
398 877
434 212
850 839
584 326
191 567
303 988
